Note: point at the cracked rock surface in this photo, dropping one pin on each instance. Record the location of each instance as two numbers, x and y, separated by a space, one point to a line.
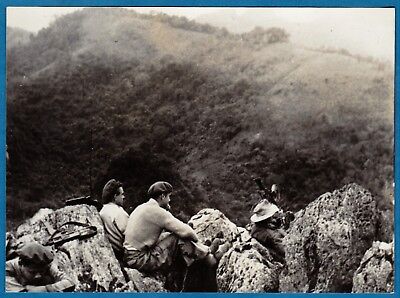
143 283
247 266
327 240
212 223
376 270
90 262
329 248
243 269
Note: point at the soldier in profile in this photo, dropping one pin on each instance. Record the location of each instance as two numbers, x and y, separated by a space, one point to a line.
114 216
34 271
268 228
153 235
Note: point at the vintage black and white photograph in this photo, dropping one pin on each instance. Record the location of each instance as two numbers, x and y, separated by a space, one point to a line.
200 149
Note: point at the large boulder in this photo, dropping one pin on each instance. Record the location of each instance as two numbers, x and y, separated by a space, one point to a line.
327 240
212 223
246 266
90 262
385 225
243 269
143 283
376 270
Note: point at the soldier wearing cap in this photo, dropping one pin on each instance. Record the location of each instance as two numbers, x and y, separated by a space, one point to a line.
153 235
114 216
34 271
268 228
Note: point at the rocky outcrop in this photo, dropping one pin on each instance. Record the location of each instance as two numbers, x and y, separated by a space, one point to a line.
325 246
385 225
211 223
246 266
243 269
143 283
376 270
90 262
327 240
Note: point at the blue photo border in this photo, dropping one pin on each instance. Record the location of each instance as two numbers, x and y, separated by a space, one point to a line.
188 3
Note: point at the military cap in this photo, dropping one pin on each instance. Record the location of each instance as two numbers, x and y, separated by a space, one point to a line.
158 188
36 254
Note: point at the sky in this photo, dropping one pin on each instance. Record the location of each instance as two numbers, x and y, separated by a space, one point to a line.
363 31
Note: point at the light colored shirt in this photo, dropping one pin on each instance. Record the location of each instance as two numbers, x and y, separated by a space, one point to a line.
53 281
146 224
114 219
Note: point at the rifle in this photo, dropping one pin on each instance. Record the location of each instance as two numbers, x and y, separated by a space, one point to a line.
265 193
64 233
84 200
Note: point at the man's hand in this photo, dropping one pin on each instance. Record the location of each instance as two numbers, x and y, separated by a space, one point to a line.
193 238
35 288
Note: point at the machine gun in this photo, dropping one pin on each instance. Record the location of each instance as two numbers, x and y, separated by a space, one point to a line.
266 194
84 200
285 218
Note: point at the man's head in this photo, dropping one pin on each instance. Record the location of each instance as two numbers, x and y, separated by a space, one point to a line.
264 211
35 260
161 192
113 192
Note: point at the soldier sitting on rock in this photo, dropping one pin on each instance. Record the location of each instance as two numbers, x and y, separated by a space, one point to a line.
114 216
268 228
154 236
34 271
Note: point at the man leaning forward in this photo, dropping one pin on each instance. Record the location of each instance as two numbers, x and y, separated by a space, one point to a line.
153 235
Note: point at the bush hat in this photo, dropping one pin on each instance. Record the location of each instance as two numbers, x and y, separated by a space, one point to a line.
263 210
158 188
36 254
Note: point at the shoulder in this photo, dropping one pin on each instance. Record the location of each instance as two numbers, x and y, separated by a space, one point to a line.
151 205
13 262
153 212
12 265
106 208
258 230
156 209
122 211
111 208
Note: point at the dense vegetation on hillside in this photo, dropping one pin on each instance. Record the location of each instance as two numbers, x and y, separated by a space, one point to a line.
84 106
16 37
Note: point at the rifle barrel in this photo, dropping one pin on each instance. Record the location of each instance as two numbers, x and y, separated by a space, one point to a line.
259 183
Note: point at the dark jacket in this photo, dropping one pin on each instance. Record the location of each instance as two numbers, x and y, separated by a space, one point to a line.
271 237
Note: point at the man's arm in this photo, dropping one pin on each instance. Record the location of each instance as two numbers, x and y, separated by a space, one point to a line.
121 221
174 225
62 281
12 284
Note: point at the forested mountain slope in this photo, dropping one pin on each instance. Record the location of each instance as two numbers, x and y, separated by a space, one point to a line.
161 97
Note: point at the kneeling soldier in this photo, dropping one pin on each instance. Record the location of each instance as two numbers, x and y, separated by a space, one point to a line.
268 228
